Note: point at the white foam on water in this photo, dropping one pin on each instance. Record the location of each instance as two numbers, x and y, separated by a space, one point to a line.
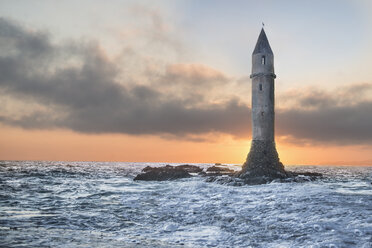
101 202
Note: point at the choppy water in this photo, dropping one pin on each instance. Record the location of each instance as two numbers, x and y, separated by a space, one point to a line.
88 204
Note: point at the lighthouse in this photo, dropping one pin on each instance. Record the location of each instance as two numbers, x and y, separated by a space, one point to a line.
263 76
263 159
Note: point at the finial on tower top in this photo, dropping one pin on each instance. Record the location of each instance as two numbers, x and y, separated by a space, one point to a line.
263 25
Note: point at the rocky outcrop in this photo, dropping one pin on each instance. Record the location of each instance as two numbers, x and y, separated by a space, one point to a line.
251 174
190 168
304 176
297 177
219 171
262 164
186 167
162 173
169 172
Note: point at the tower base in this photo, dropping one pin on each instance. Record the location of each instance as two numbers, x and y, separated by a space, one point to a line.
262 161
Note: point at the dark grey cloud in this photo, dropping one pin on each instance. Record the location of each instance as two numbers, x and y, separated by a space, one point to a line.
88 98
82 90
341 116
342 125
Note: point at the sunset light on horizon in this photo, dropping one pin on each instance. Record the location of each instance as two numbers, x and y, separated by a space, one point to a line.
169 81
185 123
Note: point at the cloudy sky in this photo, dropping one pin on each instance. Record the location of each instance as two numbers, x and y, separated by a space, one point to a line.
169 80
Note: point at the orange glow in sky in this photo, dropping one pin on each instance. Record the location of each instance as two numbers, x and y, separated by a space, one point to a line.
60 145
168 81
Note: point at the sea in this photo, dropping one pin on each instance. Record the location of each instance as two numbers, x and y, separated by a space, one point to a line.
97 204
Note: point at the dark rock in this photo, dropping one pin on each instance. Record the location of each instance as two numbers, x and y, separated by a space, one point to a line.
216 171
217 163
202 173
304 176
162 173
298 177
263 166
258 180
283 178
219 169
147 168
227 180
190 168
222 175
187 167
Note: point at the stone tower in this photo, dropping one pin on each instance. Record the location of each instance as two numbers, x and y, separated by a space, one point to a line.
263 158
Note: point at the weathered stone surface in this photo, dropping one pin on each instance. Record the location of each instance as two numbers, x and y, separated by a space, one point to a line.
263 166
224 175
263 87
226 180
162 173
262 161
190 168
187 167
222 170
147 168
169 172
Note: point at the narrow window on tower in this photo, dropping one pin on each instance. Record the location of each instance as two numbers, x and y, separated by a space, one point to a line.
260 87
263 60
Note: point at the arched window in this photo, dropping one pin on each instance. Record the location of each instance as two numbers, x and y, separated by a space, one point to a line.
260 87
263 60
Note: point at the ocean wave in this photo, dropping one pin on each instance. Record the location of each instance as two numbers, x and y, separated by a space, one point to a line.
70 204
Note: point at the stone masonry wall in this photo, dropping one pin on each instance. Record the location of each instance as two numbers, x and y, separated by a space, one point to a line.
263 160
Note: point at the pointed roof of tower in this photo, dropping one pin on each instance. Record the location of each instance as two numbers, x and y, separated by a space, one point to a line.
262 45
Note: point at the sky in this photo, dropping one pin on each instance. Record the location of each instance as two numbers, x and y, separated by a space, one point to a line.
168 80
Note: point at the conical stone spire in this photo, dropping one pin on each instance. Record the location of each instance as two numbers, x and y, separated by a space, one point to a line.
262 45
